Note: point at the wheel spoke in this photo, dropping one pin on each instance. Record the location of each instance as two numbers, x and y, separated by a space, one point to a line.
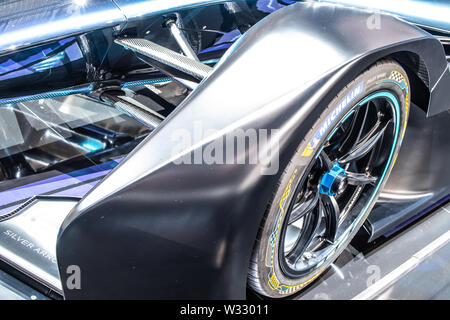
375 153
326 162
302 209
366 144
353 135
311 224
351 129
359 179
363 123
331 210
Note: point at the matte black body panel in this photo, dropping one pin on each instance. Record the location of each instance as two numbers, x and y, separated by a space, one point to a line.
420 178
439 98
155 229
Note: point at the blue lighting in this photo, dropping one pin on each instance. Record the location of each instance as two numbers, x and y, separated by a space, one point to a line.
93 145
50 63
145 82
46 95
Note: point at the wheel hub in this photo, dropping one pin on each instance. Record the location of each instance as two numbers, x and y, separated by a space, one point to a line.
334 181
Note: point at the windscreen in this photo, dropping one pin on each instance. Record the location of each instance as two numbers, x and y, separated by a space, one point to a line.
60 147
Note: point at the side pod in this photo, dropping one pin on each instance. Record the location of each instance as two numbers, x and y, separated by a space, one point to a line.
167 224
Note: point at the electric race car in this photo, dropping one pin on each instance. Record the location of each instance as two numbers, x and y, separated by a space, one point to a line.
194 149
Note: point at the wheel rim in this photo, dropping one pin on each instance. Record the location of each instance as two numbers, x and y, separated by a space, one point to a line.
339 184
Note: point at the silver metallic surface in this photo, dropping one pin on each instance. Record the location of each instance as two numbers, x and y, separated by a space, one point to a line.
181 40
433 14
25 23
139 112
28 22
138 8
28 239
167 57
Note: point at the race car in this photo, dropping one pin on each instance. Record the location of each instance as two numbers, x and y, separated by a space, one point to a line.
204 149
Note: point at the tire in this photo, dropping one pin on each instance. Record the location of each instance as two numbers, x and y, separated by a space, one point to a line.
271 272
